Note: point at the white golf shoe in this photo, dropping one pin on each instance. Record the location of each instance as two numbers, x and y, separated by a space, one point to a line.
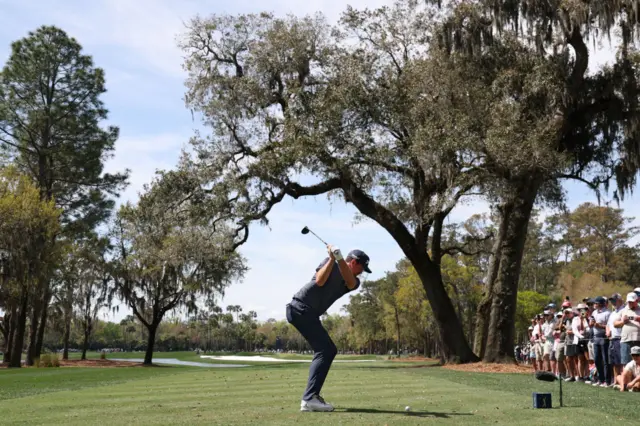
317 403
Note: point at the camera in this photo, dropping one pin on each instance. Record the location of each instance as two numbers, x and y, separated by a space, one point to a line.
583 314
632 318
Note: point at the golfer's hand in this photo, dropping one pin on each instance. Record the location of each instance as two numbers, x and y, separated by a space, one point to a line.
334 253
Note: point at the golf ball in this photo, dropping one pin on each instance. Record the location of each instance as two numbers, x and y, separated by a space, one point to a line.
407 408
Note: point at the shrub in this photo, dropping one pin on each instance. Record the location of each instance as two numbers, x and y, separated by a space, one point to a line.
103 355
48 360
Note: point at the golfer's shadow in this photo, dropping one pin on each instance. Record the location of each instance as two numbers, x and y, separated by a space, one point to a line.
404 413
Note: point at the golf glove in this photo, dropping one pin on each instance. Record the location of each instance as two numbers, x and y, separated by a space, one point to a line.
336 253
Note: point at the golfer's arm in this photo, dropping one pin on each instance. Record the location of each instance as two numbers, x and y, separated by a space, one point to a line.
323 274
346 273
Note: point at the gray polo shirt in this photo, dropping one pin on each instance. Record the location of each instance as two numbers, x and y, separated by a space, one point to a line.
319 299
602 318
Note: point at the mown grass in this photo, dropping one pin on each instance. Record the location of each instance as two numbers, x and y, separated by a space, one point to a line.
363 393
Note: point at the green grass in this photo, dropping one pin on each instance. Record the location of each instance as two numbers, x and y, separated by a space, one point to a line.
363 393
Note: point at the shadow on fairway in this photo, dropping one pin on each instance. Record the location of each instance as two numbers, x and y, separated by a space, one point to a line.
404 413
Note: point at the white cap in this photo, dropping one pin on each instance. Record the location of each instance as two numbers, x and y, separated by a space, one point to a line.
547 312
632 297
530 328
581 306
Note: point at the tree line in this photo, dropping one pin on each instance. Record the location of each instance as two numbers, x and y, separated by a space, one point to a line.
583 258
403 111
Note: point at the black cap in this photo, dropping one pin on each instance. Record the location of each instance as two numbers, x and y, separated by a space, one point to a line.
601 300
361 257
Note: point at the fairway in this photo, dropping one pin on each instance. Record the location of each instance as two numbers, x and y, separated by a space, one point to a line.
363 393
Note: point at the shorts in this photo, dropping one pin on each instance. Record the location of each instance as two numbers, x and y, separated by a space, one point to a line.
614 352
571 350
537 349
561 352
548 348
582 347
625 351
592 354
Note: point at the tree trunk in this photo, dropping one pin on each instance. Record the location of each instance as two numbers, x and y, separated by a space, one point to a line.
516 215
87 333
33 331
148 356
397 317
20 326
10 328
484 308
44 311
449 325
67 335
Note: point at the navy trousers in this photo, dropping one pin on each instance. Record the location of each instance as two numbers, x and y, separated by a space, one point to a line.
309 325
601 358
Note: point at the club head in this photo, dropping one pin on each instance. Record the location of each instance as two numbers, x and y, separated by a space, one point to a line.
305 230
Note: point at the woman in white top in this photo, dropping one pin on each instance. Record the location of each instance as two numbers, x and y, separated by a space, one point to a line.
630 377
581 333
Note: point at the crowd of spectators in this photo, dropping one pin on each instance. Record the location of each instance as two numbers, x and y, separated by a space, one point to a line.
596 342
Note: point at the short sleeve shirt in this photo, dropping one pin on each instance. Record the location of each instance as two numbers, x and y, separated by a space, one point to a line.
633 368
631 330
320 298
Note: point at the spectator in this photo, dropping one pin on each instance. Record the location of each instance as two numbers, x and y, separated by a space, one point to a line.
532 353
598 324
630 377
571 349
614 333
537 341
561 337
547 331
590 308
581 331
629 321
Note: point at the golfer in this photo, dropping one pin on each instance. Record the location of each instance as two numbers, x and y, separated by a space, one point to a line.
334 277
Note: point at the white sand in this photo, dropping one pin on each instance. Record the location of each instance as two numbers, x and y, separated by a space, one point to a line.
258 358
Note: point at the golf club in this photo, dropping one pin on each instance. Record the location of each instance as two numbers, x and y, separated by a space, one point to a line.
306 230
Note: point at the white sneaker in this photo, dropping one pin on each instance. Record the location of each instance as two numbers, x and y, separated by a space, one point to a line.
616 387
317 403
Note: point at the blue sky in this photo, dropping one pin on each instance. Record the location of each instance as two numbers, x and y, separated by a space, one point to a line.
134 42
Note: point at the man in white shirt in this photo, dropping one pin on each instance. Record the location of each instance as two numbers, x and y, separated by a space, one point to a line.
537 341
548 329
614 333
630 322
630 377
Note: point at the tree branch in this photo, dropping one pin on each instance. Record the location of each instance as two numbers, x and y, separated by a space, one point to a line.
376 211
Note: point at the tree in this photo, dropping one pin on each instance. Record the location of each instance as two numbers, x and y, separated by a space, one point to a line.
50 116
92 291
24 255
165 258
596 235
290 96
588 127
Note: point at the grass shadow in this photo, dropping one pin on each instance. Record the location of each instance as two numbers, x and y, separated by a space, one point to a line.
404 413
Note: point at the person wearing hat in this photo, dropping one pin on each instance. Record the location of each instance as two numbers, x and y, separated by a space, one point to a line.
630 323
614 333
581 332
570 348
548 328
538 346
334 277
630 377
598 324
560 345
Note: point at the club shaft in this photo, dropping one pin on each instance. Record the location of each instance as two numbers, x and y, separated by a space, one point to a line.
316 235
